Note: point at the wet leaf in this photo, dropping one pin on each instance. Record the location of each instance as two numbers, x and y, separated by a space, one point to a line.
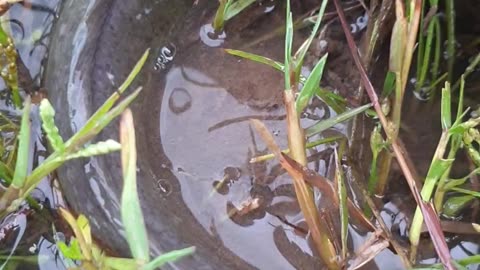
453 205
72 251
446 114
21 166
311 85
169 257
257 58
328 123
47 114
131 212
96 149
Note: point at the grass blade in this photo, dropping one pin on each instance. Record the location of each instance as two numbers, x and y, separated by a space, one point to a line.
326 124
446 114
47 114
302 51
257 58
21 165
108 104
342 195
169 257
219 19
237 7
132 217
311 85
288 47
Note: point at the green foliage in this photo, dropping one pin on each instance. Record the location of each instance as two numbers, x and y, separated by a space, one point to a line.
311 84
227 10
328 123
82 247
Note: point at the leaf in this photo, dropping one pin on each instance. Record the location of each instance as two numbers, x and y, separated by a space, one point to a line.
326 124
453 205
132 217
398 43
168 257
311 85
334 101
121 263
446 114
389 84
82 223
237 7
73 251
47 114
108 104
342 195
257 58
288 47
96 149
21 166
86 249
5 173
219 19
302 51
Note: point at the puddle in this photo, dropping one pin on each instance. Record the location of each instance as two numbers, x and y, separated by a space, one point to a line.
193 135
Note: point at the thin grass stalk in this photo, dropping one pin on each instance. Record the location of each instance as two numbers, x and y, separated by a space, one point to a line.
304 193
450 10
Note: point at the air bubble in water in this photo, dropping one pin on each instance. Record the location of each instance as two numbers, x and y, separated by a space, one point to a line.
164 187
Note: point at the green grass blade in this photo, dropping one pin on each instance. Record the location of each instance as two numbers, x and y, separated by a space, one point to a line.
446 114
168 257
311 85
257 58
342 195
108 104
237 7
334 101
219 19
47 114
23 151
6 173
96 149
121 263
288 47
326 124
131 212
302 51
